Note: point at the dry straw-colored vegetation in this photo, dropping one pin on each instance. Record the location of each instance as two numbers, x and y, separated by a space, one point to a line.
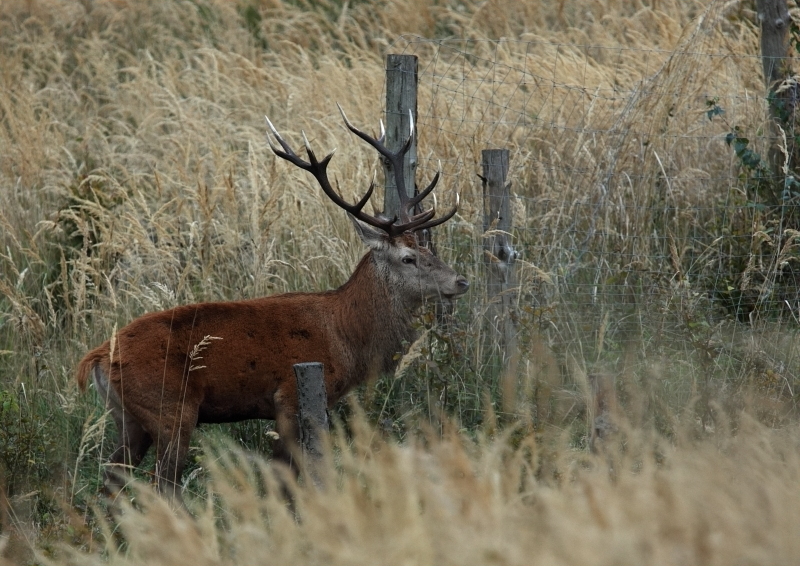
460 502
135 175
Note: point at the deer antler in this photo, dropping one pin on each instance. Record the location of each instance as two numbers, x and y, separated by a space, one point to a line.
408 221
318 168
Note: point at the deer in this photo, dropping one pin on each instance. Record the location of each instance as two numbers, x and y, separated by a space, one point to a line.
158 392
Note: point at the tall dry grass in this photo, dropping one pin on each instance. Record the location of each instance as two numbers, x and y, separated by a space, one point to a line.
134 175
725 500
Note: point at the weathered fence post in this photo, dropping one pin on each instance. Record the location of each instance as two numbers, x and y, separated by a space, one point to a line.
499 254
775 20
602 409
401 97
773 15
312 413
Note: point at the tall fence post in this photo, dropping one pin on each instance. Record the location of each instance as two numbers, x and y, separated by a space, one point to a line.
401 97
499 254
402 80
312 402
775 20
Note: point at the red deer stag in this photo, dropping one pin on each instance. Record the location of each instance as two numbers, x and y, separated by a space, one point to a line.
157 395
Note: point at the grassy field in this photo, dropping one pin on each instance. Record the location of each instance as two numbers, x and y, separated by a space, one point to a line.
135 176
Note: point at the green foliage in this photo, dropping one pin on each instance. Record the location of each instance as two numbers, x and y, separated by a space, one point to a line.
252 20
28 447
714 109
755 175
751 279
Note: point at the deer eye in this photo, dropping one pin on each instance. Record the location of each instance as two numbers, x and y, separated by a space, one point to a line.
409 260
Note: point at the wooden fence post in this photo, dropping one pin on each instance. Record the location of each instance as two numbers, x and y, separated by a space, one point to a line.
401 96
312 413
499 254
602 409
775 20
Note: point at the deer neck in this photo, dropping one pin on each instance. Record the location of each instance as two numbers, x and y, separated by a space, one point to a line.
375 320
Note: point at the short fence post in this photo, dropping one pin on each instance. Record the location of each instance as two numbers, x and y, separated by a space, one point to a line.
602 410
312 417
499 254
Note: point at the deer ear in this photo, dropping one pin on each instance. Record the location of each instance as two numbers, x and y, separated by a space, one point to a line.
372 237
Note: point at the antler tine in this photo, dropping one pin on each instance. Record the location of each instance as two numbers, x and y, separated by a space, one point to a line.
442 219
423 216
378 143
319 170
360 204
416 199
287 151
394 158
305 143
425 219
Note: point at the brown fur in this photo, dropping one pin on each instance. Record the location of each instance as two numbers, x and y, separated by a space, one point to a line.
158 394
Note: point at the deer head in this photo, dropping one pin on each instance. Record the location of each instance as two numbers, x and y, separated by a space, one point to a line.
412 272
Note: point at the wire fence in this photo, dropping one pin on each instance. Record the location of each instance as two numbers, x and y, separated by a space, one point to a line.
603 175
630 191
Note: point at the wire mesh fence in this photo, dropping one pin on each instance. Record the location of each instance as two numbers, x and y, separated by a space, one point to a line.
619 192
641 209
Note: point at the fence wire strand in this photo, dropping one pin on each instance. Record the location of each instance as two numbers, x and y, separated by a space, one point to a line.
628 194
